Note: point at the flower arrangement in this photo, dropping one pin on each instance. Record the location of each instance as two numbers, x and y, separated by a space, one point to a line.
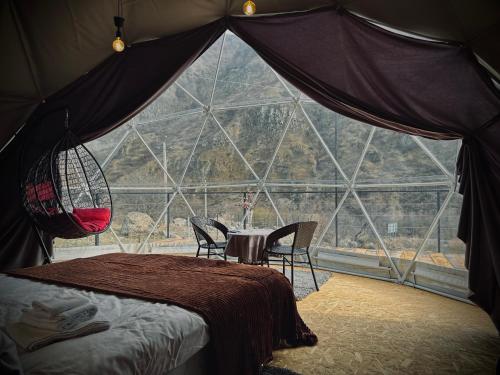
247 201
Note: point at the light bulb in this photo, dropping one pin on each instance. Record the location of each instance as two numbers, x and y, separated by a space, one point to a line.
118 44
249 7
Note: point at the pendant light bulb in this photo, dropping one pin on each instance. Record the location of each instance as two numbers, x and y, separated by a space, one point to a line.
118 44
249 7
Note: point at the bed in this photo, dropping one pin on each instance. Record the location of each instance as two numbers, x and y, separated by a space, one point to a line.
169 315
145 337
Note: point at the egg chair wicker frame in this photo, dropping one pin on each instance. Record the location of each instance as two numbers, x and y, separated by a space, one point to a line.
65 191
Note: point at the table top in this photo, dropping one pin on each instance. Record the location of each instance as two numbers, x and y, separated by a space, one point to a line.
250 232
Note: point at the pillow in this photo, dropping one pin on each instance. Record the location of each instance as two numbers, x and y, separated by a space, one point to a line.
93 214
92 219
91 226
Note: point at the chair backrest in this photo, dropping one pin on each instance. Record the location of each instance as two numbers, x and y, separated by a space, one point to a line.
273 237
198 224
218 225
304 234
198 221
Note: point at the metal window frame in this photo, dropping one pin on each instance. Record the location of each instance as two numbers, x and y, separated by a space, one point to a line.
261 183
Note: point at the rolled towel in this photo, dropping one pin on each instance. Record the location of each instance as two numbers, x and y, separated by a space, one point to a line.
39 314
63 321
60 305
31 338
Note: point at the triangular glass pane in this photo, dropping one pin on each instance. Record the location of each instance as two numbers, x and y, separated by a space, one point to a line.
228 208
173 100
103 146
402 218
443 248
445 151
344 137
133 166
223 205
134 216
307 204
441 264
301 156
201 200
244 77
261 212
173 140
350 243
395 157
256 131
215 160
174 234
196 199
199 78
351 230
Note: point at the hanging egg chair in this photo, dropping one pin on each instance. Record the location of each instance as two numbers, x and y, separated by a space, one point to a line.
65 191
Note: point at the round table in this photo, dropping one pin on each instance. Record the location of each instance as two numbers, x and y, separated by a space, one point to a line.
247 244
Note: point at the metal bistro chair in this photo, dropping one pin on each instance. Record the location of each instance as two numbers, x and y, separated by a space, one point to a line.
303 233
219 226
203 238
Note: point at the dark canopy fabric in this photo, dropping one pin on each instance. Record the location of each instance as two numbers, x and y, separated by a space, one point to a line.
429 89
423 88
46 45
98 102
346 64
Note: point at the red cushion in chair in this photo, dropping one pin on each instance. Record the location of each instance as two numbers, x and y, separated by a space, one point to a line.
92 219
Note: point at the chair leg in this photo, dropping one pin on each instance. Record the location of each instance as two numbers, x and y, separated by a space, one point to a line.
198 252
292 271
312 270
283 264
208 253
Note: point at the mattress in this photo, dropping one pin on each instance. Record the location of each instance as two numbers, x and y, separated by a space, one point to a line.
144 337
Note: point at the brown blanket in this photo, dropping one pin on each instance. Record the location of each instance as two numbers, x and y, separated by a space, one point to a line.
249 309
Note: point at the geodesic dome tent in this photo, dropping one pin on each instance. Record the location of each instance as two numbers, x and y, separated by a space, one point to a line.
335 54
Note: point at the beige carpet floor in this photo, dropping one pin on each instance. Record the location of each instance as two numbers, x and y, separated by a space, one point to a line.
367 326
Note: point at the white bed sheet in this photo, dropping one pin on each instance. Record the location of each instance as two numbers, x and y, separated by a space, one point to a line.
144 338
